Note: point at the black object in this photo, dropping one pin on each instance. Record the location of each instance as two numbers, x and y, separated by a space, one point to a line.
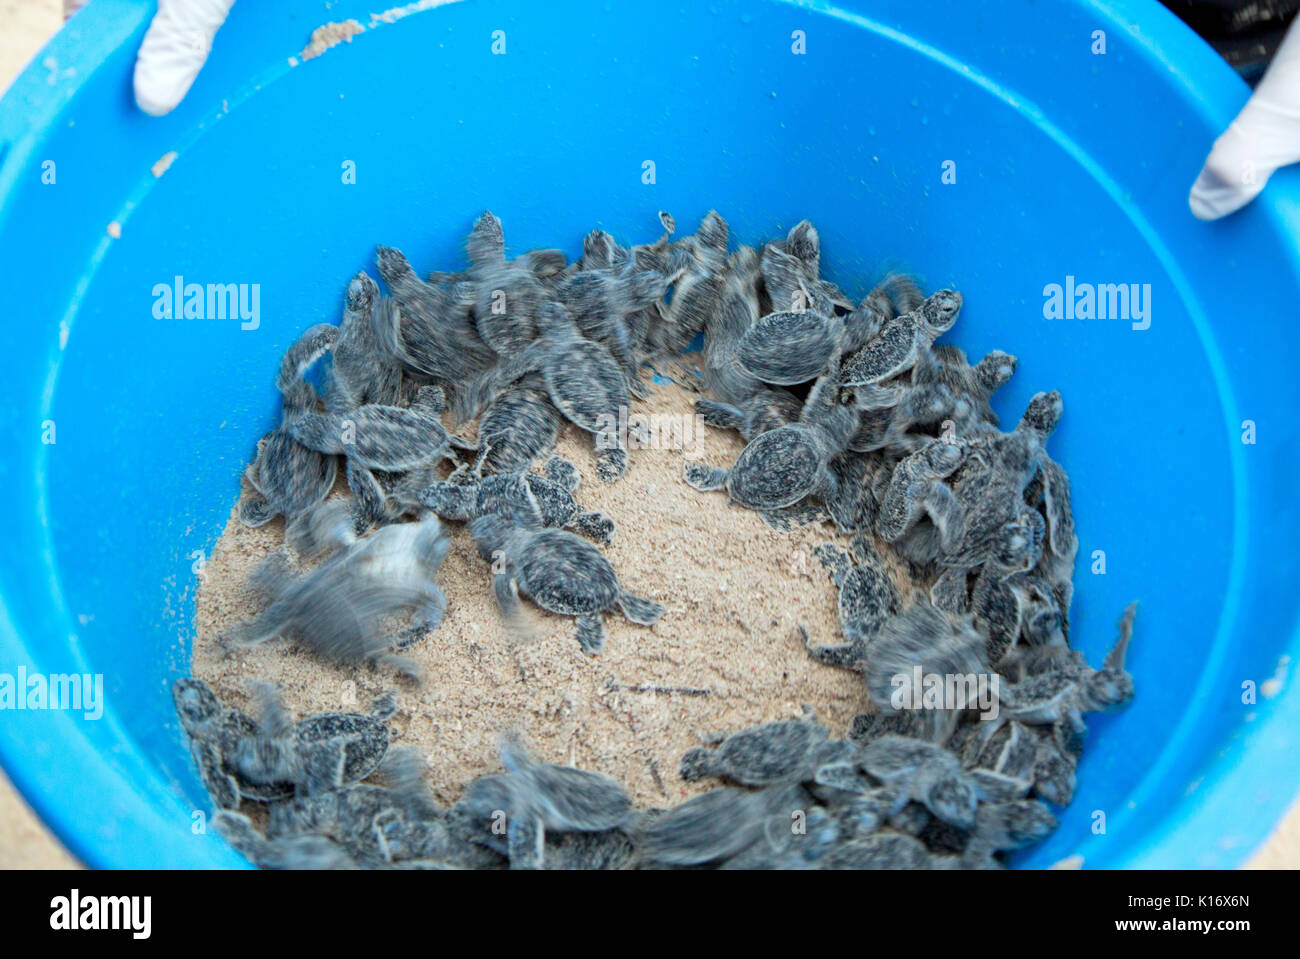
1246 34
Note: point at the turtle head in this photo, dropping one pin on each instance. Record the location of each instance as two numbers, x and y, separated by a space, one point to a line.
1043 413
486 244
1109 688
696 764
713 233
362 293
598 250
939 312
195 702
803 242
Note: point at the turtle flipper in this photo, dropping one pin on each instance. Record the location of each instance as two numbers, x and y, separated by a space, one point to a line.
643 612
591 633
705 478
255 511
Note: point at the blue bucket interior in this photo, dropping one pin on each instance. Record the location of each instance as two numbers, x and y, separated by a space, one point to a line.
1067 162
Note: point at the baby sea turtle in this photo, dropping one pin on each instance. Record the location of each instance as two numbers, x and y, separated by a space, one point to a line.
989 487
285 852
946 365
1007 826
360 373
924 637
518 428
916 489
790 269
699 269
550 497
790 347
538 800
510 295
391 438
867 599
772 753
786 465
740 400
431 331
319 753
603 303
718 824
353 816
287 477
338 608
1049 492
896 347
583 381
561 573
932 775
214 732
1064 694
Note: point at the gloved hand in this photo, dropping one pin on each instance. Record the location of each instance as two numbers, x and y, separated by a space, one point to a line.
175 48
1264 136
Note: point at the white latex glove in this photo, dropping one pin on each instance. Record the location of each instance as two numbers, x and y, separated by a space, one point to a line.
175 48
1264 136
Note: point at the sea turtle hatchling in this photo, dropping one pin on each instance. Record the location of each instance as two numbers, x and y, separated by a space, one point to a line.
518 427
603 304
431 332
989 486
287 477
320 752
697 264
789 464
775 752
1065 693
391 438
718 824
583 380
895 348
916 490
560 572
932 775
359 373
510 294
284 852
867 599
791 347
946 365
550 497
739 400
338 609
316 754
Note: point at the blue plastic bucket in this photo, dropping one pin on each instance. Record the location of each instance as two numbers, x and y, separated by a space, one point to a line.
1067 162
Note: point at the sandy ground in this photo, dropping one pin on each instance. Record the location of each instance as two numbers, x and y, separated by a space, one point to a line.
26 843
725 656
